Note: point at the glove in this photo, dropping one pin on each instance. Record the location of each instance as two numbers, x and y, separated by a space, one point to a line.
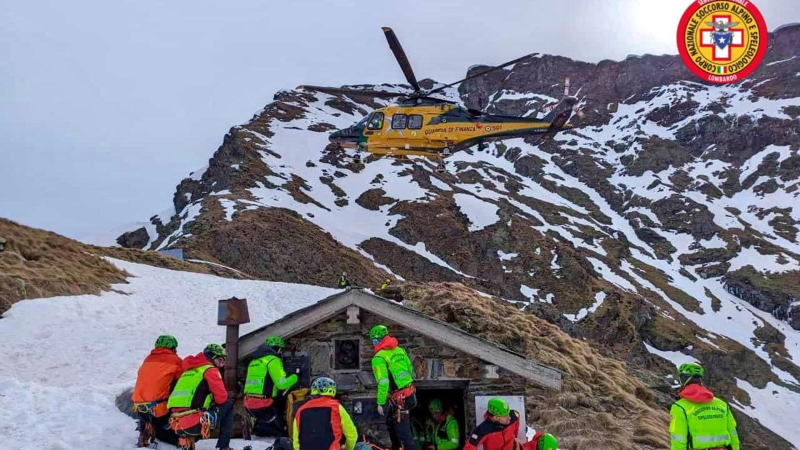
380 409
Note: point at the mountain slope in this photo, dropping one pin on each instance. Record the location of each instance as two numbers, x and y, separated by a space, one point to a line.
664 230
47 401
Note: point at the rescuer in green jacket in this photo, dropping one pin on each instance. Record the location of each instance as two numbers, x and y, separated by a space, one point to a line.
266 377
343 281
700 420
441 431
200 399
394 374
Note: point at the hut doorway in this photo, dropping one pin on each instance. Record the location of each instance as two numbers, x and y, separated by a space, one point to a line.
452 394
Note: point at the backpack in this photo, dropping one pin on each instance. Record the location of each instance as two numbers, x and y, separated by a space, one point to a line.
282 443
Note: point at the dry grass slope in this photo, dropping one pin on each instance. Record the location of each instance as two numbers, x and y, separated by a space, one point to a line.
39 263
601 405
153 258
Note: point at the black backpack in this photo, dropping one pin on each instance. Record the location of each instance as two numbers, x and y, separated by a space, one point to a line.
282 443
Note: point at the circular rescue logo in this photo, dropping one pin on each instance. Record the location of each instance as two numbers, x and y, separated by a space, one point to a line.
722 41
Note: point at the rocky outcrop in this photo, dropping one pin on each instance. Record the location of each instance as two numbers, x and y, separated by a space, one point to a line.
134 239
777 293
279 245
684 215
374 198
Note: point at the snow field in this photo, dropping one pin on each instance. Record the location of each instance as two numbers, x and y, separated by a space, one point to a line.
66 359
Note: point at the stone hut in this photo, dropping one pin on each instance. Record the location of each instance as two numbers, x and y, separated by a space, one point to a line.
332 337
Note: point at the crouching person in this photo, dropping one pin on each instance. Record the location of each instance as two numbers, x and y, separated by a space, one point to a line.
157 374
321 423
200 401
265 378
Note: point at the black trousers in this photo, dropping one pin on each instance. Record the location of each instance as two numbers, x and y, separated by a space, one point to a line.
269 422
224 414
398 421
161 425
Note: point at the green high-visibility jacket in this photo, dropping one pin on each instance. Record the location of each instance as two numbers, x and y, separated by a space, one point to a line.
392 369
446 435
187 385
702 425
266 376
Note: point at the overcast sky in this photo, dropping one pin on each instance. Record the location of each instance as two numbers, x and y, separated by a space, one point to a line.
106 105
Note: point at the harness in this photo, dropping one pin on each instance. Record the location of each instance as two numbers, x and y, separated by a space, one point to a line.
151 408
398 397
193 423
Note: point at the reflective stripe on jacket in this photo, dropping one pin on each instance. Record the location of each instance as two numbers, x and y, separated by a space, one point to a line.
266 375
187 389
701 421
392 368
446 435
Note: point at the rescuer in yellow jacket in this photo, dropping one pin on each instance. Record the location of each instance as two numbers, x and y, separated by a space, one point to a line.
266 378
700 420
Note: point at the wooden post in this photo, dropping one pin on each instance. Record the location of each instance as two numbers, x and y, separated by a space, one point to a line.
232 313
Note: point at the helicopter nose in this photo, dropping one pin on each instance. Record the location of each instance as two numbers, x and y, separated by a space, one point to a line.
343 137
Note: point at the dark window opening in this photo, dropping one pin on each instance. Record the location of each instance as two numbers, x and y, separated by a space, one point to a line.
415 121
399 121
453 401
376 121
347 354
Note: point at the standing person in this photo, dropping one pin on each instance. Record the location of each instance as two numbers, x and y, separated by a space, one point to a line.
265 378
395 377
499 429
700 420
157 375
200 388
343 281
322 423
441 431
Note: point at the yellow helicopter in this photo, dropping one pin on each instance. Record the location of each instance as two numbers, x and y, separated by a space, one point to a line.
423 125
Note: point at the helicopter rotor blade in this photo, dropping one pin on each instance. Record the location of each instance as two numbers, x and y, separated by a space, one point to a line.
487 71
345 91
401 57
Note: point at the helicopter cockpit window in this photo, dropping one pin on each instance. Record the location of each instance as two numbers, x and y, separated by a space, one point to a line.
399 121
376 121
415 121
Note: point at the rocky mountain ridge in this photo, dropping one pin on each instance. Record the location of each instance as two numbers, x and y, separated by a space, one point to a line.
663 230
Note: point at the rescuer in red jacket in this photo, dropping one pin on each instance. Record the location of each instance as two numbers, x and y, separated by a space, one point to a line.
499 429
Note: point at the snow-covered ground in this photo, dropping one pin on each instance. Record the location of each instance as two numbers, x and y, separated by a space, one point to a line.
66 359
